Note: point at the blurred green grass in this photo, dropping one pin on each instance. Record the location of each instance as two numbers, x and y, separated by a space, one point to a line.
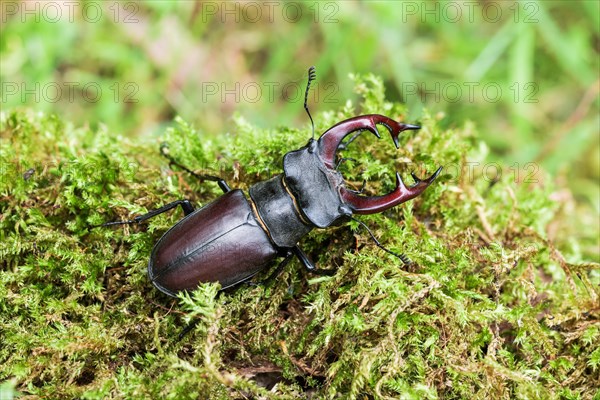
525 72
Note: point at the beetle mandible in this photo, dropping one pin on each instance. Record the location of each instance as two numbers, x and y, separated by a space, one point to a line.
237 235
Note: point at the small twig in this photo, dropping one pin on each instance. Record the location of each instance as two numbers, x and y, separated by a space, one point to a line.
485 223
300 364
483 236
168 310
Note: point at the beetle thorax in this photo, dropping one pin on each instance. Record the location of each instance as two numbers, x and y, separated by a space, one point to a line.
315 186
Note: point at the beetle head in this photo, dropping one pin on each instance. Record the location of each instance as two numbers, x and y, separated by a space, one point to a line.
320 190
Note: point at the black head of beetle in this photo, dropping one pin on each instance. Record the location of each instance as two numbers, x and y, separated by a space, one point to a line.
322 196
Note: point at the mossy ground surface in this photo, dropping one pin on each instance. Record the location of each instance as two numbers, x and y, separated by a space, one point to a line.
490 308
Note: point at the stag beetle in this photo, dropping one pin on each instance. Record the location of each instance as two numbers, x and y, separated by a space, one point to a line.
236 236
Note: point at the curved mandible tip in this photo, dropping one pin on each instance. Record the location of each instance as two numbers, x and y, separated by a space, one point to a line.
376 204
330 140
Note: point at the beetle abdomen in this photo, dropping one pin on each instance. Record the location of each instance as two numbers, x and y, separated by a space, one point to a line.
219 242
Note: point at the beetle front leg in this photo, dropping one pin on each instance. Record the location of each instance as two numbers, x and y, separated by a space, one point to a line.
344 145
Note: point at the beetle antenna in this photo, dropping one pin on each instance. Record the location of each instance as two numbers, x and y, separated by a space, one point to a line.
403 257
312 74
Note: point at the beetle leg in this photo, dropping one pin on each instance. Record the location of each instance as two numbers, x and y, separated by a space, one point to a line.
405 260
344 145
362 188
185 205
187 329
220 181
305 261
275 273
342 160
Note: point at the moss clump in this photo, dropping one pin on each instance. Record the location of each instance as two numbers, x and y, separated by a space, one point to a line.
489 308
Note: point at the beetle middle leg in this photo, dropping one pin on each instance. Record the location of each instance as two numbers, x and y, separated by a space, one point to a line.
304 260
220 181
185 205
275 273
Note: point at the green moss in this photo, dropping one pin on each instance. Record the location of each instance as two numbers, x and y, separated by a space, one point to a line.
489 308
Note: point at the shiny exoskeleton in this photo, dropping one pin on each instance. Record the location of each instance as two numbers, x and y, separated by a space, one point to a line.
238 234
